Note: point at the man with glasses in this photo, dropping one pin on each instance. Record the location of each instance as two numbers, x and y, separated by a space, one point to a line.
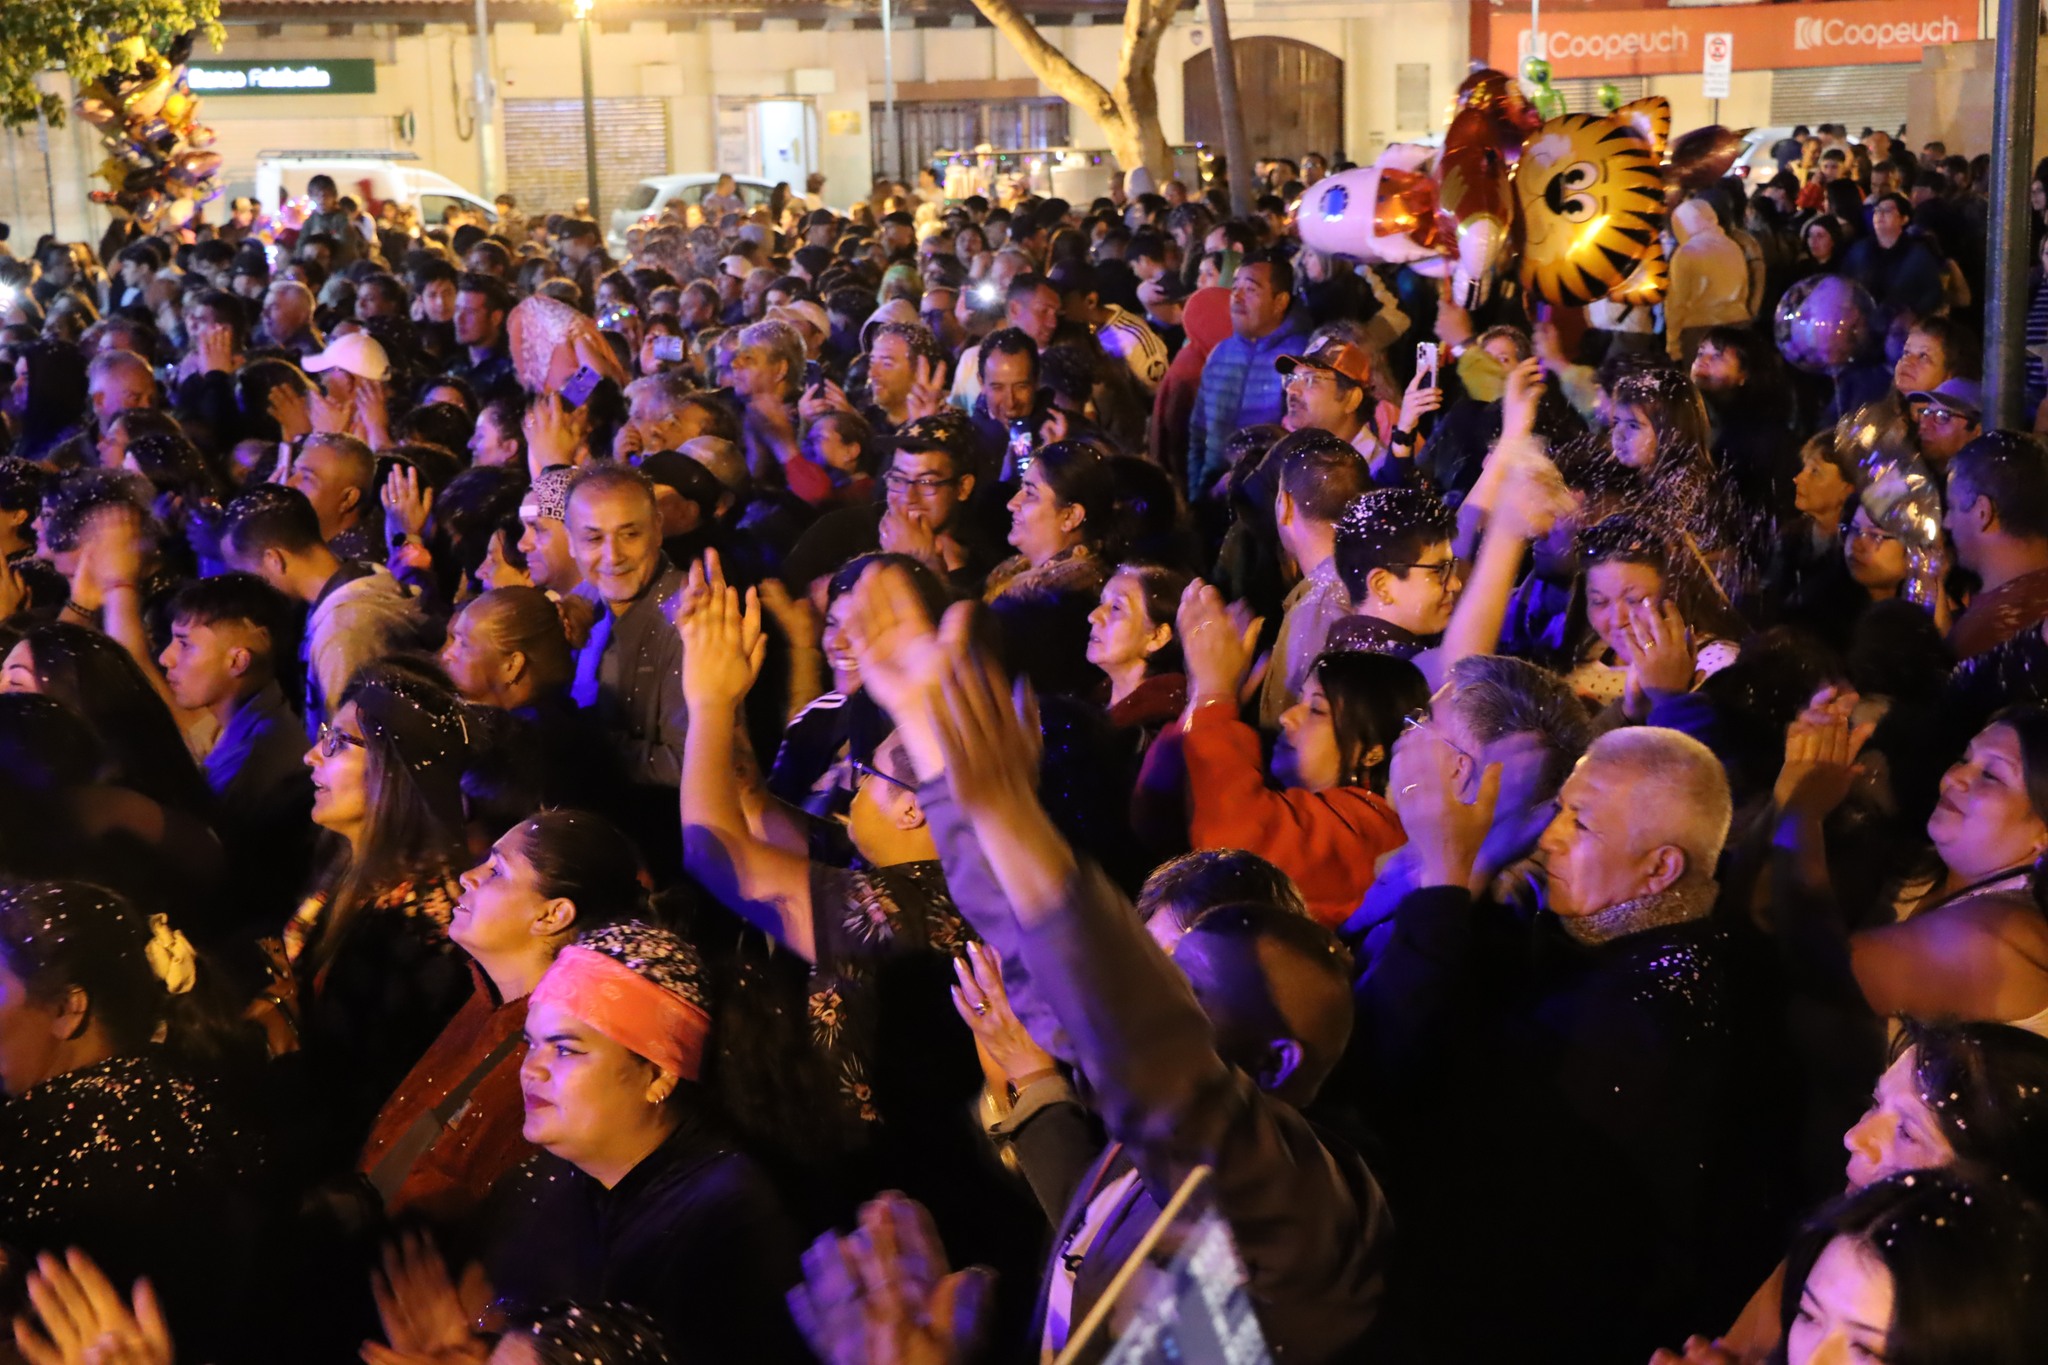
1948 417
925 513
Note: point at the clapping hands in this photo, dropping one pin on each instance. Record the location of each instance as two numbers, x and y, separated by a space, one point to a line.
882 1295
1218 649
85 1322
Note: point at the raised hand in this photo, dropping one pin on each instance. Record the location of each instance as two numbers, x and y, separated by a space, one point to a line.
1820 766
1054 427
289 408
796 617
986 728
1008 1053
213 347
406 504
883 1295
1218 651
927 388
1518 401
110 554
331 416
373 413
420 1310
821 398
1445 830
84 1321
1421 399
555 434
1662 660
901 659
722 644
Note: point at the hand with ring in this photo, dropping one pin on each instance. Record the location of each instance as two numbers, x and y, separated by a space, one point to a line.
1008 1053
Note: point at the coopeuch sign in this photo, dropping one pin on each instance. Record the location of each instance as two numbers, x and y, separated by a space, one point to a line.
326 76
1659 42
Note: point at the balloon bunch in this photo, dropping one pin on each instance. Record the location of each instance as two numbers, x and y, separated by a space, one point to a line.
1577 199
159 165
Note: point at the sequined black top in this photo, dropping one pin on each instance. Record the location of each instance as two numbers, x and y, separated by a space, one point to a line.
150 1174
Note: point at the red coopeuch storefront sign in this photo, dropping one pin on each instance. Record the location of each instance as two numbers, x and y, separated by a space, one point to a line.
1661 42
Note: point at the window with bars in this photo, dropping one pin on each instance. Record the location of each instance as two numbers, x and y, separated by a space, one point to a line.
926 126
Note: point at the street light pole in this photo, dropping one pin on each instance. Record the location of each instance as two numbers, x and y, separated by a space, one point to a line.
589 107
892 145
2012 160
486 100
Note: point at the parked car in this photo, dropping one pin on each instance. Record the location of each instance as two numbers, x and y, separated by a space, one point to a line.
380 175
647 199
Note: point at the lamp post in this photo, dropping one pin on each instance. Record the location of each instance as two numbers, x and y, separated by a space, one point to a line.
486 101
582 9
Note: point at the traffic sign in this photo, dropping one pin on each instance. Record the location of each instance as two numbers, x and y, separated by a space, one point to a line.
1720 60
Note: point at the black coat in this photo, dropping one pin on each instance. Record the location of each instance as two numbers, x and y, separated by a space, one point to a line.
1577 1134
693 1236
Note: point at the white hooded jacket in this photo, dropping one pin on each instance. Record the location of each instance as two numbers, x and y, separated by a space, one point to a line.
1709 276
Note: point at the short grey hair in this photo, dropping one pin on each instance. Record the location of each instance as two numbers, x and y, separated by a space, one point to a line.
1681 788
781 342
1497 696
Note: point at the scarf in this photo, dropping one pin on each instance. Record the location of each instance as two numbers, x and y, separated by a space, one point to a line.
1690 898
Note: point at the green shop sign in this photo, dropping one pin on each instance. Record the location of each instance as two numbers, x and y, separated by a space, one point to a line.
335 76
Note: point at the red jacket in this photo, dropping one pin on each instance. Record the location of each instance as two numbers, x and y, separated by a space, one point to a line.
1330 842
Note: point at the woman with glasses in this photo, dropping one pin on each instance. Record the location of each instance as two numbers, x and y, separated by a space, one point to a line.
870 1067
1061 522
1324 819
374 976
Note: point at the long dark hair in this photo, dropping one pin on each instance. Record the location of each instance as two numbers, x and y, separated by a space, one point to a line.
1368 696
56 395
408 834
97 680
1968 1256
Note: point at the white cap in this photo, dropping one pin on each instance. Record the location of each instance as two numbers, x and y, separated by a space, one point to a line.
804 311
361 354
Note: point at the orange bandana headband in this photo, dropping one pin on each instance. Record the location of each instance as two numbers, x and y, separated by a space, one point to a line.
629 1009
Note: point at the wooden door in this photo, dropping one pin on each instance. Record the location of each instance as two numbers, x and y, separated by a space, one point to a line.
1292 95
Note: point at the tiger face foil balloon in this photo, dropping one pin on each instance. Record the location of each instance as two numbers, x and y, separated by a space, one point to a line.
1591 194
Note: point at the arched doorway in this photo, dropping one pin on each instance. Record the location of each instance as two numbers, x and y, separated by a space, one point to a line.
1292 95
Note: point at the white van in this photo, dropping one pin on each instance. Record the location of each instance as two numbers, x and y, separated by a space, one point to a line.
378 174
645 201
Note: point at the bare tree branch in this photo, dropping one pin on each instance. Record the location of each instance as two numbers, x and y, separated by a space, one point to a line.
1047 62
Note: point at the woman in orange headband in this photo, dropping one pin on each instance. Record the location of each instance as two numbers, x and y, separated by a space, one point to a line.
641 1198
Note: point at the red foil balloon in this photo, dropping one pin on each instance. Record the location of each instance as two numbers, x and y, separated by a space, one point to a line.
1704 155
1480 148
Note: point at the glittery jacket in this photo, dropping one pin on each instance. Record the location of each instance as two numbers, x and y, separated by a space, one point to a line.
1604 1110
1328 841
148 1173
483 1143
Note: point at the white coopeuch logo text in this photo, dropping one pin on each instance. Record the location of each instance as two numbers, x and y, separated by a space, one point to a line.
1808 34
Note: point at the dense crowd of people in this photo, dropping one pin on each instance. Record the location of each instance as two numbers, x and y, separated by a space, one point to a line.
533 786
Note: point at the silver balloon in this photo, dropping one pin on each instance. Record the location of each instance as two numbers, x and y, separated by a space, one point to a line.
1898 491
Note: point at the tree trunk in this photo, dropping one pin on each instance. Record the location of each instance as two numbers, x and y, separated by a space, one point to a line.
1130 117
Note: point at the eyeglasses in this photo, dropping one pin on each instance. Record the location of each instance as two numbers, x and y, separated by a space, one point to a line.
1444 569
1869 533
1942 414
1421 719
1305 377
869 770
924 487
333 738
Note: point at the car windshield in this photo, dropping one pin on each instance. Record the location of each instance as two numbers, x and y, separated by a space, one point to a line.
642 197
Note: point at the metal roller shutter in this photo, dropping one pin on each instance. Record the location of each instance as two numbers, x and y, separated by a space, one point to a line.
544 163
1856 97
